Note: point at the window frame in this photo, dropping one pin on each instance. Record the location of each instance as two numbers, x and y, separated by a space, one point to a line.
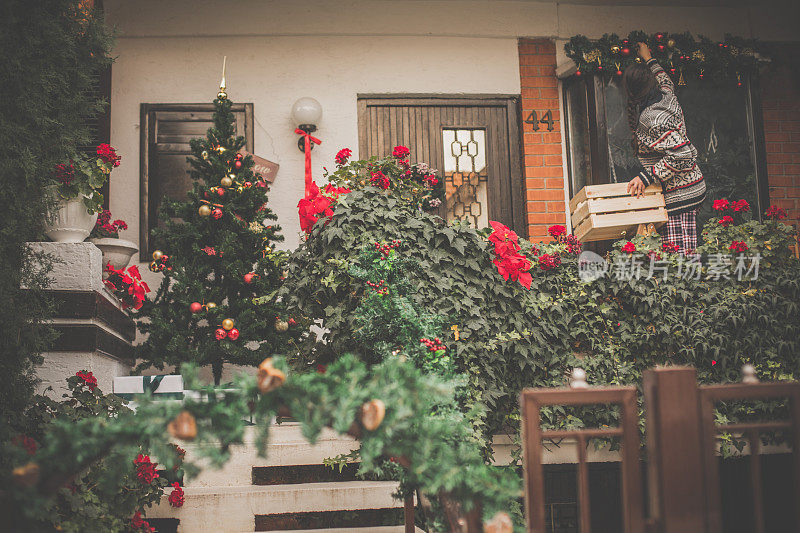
146 137
598 135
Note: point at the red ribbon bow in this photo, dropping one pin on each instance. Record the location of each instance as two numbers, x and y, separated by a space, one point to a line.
308 140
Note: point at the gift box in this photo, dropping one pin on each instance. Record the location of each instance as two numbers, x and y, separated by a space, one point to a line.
162 387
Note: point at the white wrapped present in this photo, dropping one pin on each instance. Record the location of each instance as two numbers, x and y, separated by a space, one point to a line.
162 387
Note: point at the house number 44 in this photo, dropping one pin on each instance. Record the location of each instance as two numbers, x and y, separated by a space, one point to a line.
534 120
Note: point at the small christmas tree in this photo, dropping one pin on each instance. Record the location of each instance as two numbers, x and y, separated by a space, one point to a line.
217 255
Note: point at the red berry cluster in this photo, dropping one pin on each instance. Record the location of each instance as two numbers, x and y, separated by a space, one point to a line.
385 248
433 345
379 287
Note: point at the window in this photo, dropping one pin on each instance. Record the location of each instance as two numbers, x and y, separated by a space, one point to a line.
722 121
166 130
473 142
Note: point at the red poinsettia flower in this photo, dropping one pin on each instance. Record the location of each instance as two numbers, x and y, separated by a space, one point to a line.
629 247
738 246
721 205
775 213
726 221
176 497
334 191
741 206
557 230
343 155
88 379
401 152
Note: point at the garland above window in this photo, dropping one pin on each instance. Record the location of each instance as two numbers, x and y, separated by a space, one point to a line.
682 56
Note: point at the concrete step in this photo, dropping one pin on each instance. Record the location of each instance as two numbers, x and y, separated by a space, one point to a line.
374 529
286 447
233 509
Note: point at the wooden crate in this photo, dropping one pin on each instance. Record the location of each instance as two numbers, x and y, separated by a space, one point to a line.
601 212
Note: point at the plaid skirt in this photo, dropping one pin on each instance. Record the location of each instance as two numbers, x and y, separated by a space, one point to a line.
681 229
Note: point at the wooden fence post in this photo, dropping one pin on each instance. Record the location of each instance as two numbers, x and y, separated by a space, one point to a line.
676 480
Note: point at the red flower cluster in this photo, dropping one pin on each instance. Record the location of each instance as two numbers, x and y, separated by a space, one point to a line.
629 247
775 213
107 153
573 244
433 345
105 228
25 442
176 497
316 204
87 378
145 470
321 369
401 152
726 221
128 286
385 248
431 180
379 180
557 231
65 172
721 204
738 246
209 250
741 206
140 524
343 155
671 247
380 287
549 262
510 263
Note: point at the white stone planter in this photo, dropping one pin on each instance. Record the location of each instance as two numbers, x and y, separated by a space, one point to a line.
118 252
71 222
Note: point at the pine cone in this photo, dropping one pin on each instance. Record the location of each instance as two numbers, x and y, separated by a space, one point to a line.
26 476
500 523
372 413
184 426
269 377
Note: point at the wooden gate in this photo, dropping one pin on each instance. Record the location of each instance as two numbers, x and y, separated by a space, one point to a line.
683 478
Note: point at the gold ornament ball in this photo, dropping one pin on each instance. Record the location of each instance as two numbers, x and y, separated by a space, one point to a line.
204 154
153 267
204 211
615 49
222 95
226 182
220 149
227 324
671 43
281 326
211 305
157 255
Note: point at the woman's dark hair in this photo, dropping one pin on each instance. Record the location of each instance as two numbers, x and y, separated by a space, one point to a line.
638 82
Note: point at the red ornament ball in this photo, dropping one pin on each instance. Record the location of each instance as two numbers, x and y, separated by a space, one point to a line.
237 164
233 334
220 334
577 72
660 47
195 307
659 36
216 213
239 156
247 184
248 278
292 321
619 73
626 51
220 191
672 71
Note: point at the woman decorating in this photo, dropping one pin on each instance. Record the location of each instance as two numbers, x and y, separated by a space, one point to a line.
666 153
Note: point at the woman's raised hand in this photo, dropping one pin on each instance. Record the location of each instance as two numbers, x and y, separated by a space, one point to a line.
644 51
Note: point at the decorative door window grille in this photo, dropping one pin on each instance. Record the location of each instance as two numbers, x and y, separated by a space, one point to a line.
465 175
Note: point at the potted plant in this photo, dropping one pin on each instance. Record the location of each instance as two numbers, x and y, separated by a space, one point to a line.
105 235
77 185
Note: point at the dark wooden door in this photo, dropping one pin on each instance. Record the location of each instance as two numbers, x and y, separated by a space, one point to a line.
166 132
474 143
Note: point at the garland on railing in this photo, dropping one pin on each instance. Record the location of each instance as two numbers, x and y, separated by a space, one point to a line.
682 56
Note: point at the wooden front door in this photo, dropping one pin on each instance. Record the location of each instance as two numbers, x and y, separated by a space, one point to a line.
474 143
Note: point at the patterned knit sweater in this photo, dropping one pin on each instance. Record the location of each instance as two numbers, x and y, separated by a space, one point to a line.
667 155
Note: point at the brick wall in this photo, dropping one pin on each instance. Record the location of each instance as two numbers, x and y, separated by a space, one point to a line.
544 174
780 101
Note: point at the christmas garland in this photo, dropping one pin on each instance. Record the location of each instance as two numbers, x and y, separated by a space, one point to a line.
683 57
